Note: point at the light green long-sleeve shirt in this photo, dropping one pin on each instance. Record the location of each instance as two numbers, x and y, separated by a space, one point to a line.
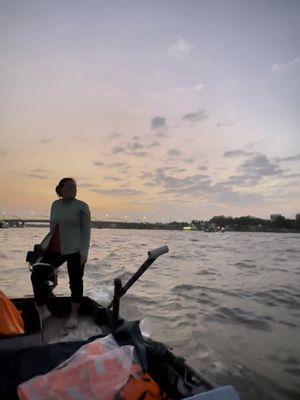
74 219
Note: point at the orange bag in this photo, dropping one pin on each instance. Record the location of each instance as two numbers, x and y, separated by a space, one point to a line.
141 387
11 322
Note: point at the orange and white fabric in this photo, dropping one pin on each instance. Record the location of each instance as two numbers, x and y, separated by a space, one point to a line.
98 370
141 386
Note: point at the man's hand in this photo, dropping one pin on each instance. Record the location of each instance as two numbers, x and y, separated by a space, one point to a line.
83 260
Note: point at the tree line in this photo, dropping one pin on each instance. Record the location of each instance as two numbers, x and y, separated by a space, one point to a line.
245 223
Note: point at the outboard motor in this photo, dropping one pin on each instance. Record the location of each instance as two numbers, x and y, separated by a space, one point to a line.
45 273
42 272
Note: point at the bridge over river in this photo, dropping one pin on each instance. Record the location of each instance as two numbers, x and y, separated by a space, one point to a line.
36 222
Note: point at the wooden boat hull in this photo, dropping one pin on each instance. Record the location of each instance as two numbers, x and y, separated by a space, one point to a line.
42 348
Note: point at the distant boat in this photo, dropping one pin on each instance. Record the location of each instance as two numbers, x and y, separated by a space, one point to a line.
190 228
4 224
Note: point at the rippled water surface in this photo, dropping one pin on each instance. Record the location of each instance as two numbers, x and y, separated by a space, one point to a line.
229 303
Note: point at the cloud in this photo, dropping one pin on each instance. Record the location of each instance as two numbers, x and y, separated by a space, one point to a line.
118 164
158 123
290 158
174 153
292 175
189 160
36 176
153 144
199 87
87 185
239 198
133 149
122 167
174 170
136 138
137 153
113 178
125 171
259 165
202 168
234 153
198 185
196 116
118 149
252 171
224 124
118 192
3 153
38 173
180 49
234 82
171 184
146 175
114 135
44 141
134 146
286 67
161 135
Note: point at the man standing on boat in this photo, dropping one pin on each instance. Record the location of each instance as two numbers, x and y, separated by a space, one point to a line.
70 230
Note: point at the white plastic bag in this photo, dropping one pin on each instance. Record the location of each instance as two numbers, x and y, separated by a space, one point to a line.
98 370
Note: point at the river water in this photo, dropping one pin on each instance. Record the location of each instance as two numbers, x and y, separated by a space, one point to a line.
229 303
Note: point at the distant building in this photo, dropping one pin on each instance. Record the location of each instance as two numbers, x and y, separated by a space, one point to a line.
297 217
273 217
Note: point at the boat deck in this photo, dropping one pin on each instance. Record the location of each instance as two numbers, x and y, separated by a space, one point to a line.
54 330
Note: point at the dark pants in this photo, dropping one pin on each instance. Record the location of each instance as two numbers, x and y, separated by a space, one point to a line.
75 272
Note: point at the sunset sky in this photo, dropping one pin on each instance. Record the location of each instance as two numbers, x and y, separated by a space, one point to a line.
161 110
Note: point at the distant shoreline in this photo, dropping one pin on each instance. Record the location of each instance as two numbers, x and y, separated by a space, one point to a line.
168 227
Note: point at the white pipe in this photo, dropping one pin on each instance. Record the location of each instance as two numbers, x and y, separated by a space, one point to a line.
153 254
